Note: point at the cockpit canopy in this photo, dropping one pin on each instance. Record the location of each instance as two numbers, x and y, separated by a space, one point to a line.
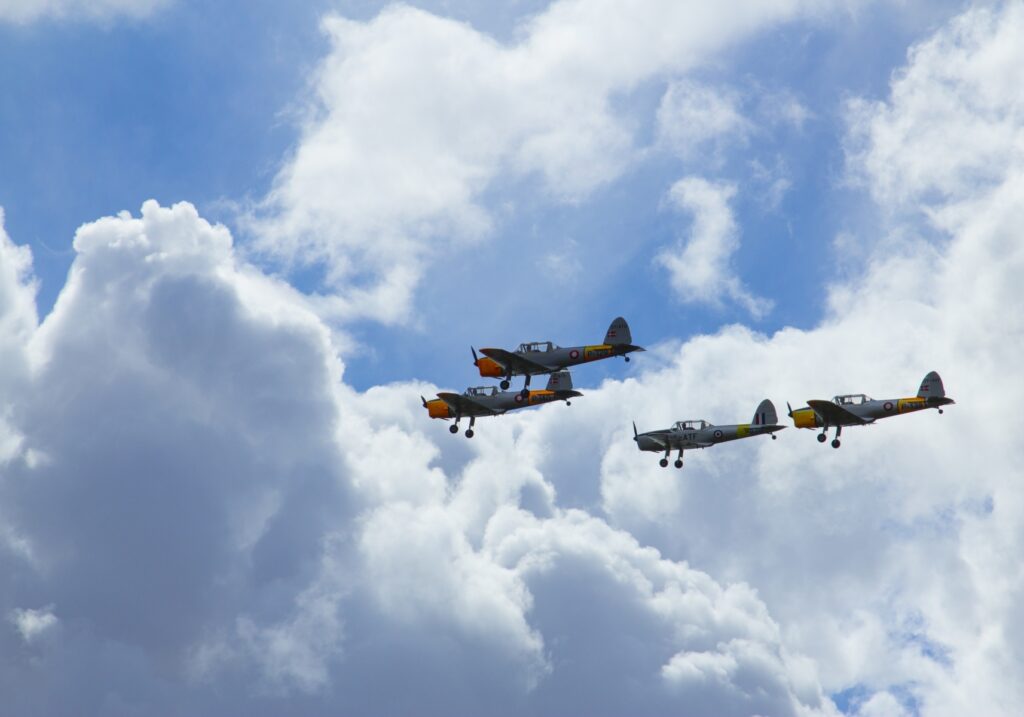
482 391
853 399
697 425
536 346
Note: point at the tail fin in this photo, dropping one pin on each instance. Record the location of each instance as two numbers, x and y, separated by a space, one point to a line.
560 381
931 387
618 333
765 414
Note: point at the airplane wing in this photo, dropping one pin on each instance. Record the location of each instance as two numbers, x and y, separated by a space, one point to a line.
515 362
837 415
464 406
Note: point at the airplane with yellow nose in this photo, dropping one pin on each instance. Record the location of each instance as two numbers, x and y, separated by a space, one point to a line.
488 401
859 410
540 357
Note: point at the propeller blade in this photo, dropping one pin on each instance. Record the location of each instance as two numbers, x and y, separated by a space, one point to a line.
424 401
635 434
475 359
790 409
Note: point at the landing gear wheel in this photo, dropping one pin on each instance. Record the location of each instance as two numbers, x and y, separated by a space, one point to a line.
505 384
627 358
940 410
821 438
568 403
663 462
836 443
453 429
774 437
679 464
469 433
525 393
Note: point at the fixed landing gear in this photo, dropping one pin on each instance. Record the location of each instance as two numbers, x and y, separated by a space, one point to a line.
679 459
663 463
469 431
626 358
774 437
940 410
505 383
568 403
454 428
835 441
821 437
526 387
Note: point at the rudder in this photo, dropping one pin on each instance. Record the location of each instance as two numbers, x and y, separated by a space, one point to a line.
765 414
560 381
618 333
931 387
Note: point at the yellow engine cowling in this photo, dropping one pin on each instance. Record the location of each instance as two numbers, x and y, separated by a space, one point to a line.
805 418
438 409
489 368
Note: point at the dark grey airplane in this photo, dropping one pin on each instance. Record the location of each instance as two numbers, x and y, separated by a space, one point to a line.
488 401
540 357
701 434
856 409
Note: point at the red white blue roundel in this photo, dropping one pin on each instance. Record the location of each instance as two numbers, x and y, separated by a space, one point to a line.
718 434
574 354
519 398
887 406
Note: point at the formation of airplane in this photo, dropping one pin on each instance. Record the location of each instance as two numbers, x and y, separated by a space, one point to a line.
540 357
543 357
856 409
684 435
489 401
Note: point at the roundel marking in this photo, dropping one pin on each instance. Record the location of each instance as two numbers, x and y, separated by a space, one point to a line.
887 406
718 434
574 354
519 398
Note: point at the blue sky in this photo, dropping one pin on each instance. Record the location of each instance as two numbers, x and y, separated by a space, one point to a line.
219 492
203 104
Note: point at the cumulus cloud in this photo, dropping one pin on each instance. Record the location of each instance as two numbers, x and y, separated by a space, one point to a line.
226 526
24 11
415 117
699 270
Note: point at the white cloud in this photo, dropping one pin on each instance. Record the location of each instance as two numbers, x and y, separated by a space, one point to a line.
33 624
24 11
700 270
415 117
225 525
692 115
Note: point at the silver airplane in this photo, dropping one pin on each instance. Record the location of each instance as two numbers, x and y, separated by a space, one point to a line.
701 434
488 401
540 357
859 410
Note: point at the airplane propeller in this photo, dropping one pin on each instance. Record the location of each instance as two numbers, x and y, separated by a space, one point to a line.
475 358
790 408
635 434
424 401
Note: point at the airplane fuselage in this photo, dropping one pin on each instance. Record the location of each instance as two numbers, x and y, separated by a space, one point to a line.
869 411
498 404
672 439
556 359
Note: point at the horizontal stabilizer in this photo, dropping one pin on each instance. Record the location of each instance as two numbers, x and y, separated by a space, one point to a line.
618 333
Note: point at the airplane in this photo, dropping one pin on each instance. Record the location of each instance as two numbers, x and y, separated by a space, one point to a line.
539 357
701 434
860 410
488 401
